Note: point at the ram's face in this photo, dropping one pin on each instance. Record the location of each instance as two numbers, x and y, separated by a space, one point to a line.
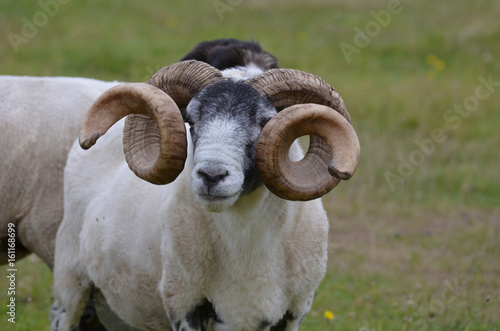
226 120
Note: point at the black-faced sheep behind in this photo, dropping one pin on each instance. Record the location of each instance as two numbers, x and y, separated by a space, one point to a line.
159 254
229 53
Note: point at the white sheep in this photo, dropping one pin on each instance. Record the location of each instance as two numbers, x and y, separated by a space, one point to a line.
215 248
39 120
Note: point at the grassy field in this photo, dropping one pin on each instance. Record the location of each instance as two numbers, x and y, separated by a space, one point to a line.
415 234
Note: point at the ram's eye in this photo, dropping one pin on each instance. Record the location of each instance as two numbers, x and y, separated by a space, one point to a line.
191 128
189 121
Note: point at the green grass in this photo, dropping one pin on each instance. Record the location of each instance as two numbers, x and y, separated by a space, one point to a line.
421 253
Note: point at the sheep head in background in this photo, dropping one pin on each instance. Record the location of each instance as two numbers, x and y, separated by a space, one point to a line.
233 141
230 53
207 246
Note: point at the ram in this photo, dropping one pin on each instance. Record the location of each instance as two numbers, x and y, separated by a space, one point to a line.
213 224
40 118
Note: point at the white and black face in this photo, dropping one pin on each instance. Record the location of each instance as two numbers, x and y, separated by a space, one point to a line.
226 120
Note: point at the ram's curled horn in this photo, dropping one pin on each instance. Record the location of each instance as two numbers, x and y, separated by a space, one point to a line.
154 137
305 102
183 80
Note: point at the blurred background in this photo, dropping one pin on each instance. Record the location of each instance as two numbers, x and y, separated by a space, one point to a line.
415 234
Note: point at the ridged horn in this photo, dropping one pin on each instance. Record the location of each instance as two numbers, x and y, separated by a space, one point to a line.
288 87
154 137
308 106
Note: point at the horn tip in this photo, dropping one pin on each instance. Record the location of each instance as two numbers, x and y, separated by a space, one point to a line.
89 142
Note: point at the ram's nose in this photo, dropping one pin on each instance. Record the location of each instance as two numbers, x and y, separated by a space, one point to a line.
213 175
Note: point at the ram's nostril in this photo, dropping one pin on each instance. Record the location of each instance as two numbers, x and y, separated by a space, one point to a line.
212 177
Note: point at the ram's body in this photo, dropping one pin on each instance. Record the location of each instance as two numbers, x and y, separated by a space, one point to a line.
140 243
39 120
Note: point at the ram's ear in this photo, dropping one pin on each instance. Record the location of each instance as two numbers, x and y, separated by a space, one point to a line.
265 113
190 112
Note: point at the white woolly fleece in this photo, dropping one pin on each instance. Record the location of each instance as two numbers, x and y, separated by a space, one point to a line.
242 73
39 120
